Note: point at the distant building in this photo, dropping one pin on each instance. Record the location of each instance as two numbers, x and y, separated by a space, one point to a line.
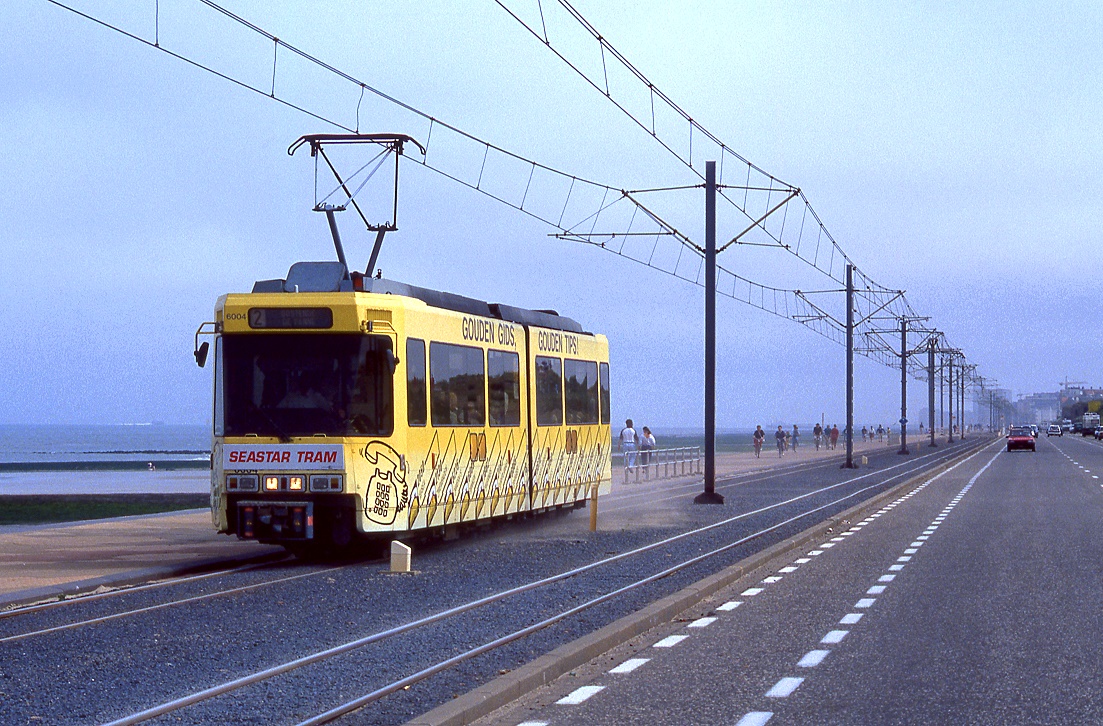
1038 407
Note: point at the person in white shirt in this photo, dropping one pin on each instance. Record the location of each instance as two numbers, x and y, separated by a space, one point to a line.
628 440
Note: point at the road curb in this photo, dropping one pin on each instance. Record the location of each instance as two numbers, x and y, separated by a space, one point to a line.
131 577
491 696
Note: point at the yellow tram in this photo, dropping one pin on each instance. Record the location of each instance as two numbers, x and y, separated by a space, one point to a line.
347 408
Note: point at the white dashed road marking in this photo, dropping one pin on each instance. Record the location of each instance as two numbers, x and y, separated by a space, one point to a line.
784 687
755 718
835 636
579 695
729 606
850 619
670 641
629 665
701 623
812 658
752 591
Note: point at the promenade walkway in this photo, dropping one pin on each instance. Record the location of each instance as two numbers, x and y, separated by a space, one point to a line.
49 561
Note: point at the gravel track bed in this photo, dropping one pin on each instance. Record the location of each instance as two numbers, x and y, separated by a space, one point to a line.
109 670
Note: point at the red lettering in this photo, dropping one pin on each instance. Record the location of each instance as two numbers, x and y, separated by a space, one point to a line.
331 457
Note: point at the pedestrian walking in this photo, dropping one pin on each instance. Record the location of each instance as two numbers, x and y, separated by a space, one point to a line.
647 443
865 433
834 435
759 439
880 432
629 439
817 435
780 436
796 437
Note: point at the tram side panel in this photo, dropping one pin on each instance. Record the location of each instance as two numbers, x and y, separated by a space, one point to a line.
462 413
569 416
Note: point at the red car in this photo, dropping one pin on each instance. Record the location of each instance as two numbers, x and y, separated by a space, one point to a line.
1021 437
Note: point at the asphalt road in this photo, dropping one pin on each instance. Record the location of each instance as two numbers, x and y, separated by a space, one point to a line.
975 600
265 617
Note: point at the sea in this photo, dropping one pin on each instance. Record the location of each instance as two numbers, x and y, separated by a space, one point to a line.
104 459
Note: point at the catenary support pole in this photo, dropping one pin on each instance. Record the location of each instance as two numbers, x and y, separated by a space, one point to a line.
709 495
950 397
903 387
961 408
930 388
849 368
942 393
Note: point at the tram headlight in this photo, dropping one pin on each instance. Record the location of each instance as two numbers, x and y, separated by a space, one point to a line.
296 483
271 483
237 483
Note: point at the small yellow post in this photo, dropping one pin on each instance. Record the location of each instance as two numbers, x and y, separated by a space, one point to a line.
593 508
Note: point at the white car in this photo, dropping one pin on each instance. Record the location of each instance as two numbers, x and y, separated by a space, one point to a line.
1054 430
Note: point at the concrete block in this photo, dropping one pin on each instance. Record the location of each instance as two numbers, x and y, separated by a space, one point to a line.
400 557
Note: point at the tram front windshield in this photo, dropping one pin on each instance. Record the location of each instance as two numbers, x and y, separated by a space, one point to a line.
301 385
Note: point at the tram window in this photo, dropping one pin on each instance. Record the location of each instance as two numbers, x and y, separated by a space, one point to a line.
458 384
219 390
294 384
581 389
504 379
415 382
549 391
604 379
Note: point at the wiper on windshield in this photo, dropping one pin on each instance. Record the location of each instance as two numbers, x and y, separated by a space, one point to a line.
280 434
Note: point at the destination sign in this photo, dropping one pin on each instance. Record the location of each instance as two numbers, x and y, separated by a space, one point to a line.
264 318
271 457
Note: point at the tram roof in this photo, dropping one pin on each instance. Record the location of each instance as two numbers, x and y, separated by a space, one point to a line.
333 277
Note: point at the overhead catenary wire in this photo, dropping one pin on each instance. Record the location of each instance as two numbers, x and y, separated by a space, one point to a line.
585 201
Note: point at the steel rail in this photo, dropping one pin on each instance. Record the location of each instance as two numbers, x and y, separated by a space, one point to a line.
362 701
621 503
319 656
80 599
162 606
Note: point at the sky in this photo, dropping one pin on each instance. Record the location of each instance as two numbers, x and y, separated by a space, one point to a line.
952 151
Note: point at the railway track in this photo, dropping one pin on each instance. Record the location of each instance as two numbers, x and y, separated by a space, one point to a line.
501 628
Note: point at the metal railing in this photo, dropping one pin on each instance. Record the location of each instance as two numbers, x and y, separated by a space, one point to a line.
662 463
